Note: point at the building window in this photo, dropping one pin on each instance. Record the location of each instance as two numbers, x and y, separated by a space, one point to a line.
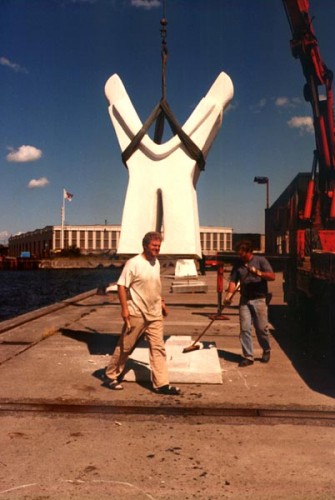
221 242
98 240
208 241
114 242
228 242
105 245
215 241
57 239
74 238
66 239
90 240
82 239
202 241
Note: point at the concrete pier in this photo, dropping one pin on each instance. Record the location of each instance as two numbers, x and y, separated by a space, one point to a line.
66 347
265 431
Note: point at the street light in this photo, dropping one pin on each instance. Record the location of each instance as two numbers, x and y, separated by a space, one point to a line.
264 180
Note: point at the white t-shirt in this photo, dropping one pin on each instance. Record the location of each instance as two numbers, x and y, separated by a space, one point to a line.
142 279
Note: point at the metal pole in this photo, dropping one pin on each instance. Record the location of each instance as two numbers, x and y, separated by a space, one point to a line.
264 180
62 222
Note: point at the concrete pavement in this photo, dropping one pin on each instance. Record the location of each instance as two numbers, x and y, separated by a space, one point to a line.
66 436
57 355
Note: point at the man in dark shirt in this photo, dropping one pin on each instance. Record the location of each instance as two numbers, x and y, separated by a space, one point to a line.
252 272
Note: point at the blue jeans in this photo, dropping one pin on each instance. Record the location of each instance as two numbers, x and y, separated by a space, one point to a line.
253 312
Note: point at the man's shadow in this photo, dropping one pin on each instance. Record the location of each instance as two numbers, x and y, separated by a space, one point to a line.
98 344
229 356
226 355
102 344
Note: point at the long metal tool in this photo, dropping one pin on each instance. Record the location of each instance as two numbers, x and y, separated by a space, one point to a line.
195 346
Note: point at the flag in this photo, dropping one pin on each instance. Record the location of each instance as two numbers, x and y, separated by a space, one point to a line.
67 196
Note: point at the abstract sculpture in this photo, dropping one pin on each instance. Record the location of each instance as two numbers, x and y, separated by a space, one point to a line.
161 193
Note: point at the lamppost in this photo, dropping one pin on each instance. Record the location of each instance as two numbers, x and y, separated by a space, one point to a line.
264 180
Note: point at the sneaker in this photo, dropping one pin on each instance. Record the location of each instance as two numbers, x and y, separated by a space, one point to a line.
170 390
265 357
246 362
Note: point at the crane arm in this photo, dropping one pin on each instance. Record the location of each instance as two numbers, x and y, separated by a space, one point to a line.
304 46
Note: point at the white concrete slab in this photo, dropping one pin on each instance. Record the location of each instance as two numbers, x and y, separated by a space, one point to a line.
198 367
190 286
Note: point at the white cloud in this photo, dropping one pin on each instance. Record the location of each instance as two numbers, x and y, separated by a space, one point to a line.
146 4
231 106
24 154
38 183
296 101
303 123
282 101
4 235
15 67
256 108
286 102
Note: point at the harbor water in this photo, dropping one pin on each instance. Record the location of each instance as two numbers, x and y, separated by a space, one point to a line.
25 291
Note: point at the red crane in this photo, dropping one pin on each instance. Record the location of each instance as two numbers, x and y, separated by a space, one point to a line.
320 197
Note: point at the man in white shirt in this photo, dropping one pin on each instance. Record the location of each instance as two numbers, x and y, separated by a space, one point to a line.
142 309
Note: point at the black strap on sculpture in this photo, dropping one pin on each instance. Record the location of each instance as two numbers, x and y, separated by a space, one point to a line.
161 112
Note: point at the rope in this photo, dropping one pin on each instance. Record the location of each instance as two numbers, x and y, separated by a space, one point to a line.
161 112
164 53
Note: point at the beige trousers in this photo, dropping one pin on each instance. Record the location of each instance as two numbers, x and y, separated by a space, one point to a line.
127 342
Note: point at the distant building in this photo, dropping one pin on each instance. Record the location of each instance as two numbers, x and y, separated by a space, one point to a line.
216 239
43 242
3 250
97 239
282 218
257 240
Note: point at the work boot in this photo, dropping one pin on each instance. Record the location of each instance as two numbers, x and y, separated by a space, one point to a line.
246 362
265 357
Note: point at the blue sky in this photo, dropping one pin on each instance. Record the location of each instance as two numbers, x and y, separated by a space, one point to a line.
55 131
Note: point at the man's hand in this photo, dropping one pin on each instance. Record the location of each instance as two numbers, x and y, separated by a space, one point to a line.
164 309
228 298
254 271
122 293
127 324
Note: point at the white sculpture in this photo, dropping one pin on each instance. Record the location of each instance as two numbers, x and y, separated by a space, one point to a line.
161 193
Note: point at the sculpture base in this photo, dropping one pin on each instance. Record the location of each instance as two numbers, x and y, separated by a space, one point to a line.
189 286
198 367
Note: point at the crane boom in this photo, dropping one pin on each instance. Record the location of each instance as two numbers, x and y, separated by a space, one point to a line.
318 91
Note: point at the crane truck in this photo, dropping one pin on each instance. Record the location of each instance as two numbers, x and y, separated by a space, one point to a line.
309 227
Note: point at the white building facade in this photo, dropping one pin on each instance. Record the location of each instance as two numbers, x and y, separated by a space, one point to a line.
98 239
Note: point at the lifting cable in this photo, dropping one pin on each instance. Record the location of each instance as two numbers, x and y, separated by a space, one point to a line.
162 112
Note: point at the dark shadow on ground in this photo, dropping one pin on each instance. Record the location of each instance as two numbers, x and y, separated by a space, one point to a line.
213 315
141 372
318 377
102 344
98 304
229 356
232 311
192 305
97 343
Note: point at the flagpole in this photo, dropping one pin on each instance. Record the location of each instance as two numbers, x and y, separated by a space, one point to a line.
66 196
62 221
